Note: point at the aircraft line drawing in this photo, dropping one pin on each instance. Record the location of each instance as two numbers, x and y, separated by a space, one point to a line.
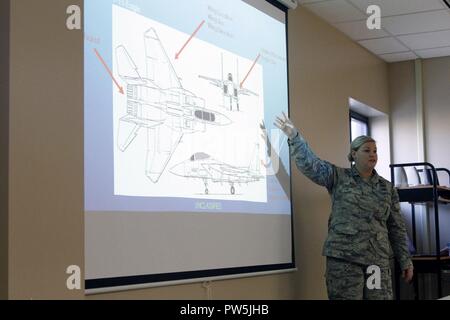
158 106
230 88
204 167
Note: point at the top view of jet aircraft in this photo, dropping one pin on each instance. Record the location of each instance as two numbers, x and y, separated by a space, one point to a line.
158 104
230 89
202 166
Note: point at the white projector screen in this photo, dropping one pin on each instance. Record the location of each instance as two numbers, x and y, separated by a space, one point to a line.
178 185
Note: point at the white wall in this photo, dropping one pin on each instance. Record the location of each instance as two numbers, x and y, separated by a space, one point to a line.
379 127
436 78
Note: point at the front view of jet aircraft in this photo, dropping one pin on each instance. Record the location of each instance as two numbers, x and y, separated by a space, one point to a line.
159 104
202 166
230 89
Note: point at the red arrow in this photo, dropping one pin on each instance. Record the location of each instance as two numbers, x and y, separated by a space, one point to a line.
190 38
109 71
256 60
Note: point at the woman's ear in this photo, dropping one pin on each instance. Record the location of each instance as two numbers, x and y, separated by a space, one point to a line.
354 155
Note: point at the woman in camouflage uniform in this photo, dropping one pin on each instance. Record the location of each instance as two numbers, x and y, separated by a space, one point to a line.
365 228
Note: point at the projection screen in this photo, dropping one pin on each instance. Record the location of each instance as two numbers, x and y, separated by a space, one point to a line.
179 186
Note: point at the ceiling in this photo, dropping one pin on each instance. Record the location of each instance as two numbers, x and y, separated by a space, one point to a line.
410 29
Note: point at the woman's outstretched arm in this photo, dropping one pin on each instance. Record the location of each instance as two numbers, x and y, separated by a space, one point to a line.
316 169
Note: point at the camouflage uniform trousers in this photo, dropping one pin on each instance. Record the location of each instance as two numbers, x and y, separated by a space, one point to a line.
347 281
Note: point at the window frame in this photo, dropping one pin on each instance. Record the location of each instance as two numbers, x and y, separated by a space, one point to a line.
359 117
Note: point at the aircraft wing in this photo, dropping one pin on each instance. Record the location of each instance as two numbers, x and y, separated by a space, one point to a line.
129 127
161 144
159 68
227 169
128 131
126 67
214 82
247 92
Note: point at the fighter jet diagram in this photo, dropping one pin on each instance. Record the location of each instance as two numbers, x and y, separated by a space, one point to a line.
203 166
230 89
158 104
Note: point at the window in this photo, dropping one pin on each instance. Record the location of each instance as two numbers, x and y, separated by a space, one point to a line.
359 125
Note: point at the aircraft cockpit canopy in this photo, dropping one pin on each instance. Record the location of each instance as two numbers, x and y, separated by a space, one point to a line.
199 156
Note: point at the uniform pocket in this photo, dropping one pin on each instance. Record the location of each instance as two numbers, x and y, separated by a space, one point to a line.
345 229
342 236
348 240
381 245
349 193
382 213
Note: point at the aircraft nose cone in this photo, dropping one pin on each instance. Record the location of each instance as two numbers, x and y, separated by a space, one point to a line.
222 119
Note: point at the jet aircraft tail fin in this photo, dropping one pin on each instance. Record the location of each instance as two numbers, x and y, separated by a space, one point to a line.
128 131
159 67
126 67
162 142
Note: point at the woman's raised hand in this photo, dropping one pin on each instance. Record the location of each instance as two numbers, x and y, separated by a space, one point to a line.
285 124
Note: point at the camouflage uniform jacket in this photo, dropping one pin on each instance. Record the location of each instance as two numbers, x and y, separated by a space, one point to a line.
365 225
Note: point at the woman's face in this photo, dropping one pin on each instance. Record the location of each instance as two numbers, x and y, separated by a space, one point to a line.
366 157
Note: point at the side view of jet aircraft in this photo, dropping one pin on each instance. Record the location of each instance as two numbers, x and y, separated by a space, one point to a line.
158 104
230 89
203 166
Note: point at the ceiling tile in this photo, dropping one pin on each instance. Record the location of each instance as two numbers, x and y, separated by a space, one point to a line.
395 7
410 28
383 45
401 56
357 30
426 40
433 53
335 11
418 22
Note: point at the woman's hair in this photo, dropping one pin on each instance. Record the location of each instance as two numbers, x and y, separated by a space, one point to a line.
356 144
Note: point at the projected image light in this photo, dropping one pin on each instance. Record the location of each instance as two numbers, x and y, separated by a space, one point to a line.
169 113
178 186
